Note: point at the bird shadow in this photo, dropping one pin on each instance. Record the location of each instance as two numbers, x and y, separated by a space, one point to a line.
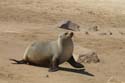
79 71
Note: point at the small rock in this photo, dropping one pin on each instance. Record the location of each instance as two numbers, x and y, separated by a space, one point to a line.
84 55
120 47
87 33
105 33
110 33
122 33
69 25
47 76
94 28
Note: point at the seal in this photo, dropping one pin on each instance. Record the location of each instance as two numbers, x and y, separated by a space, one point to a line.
51 54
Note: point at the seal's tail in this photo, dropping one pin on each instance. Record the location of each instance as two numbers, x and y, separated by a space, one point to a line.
18 61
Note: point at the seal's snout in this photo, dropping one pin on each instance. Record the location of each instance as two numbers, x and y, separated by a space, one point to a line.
71 34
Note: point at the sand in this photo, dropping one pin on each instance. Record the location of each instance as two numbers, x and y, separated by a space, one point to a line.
25 21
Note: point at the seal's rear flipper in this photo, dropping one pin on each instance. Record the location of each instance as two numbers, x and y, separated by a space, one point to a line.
18 61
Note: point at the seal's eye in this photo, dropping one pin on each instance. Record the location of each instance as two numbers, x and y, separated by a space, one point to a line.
66 33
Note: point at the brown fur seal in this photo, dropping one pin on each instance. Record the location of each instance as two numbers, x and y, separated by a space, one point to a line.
52 53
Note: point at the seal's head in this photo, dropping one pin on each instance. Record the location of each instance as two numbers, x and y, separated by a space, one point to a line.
65 40
66 35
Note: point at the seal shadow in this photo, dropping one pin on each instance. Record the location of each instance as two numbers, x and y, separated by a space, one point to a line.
79 71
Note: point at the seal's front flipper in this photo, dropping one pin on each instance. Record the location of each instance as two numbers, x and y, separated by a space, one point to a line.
54 65
53 69
74 63
19 61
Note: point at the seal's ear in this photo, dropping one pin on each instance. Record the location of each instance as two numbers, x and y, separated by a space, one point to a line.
71 34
